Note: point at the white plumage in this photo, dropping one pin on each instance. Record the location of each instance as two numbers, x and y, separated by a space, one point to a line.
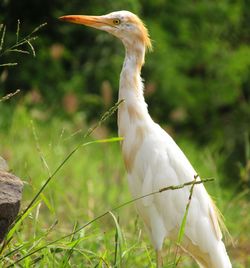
153 160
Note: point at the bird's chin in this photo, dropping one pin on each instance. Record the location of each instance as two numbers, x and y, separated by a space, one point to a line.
117 33
104 28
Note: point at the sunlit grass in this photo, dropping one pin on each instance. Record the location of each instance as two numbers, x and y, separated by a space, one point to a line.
91 182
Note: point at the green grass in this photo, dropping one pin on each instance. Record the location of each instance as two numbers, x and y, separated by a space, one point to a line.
89 184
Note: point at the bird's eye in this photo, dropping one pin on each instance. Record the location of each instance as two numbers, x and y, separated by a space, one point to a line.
116 21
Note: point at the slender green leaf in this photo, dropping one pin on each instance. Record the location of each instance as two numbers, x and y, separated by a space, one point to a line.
103 118
169 188
184 221
22 218
118 242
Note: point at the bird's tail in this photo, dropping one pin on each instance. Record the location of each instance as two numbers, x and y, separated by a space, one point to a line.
217 258
220 258
221 222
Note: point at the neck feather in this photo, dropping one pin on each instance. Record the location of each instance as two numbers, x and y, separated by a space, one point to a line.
130 78
134 109
133 117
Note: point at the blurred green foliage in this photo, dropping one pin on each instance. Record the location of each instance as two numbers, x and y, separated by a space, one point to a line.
197 81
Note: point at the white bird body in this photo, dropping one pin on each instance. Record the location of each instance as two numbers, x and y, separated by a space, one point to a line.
154 161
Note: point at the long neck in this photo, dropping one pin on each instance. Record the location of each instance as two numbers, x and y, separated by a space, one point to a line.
134 109
130 79
133 117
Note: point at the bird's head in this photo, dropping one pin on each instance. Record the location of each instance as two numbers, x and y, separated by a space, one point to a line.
123 24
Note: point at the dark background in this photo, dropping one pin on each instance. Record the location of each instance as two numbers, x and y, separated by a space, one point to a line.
197 80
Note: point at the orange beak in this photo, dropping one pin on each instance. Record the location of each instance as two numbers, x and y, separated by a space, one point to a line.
92 21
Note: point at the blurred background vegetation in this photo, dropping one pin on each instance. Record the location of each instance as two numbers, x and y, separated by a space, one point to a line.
197 79
197 85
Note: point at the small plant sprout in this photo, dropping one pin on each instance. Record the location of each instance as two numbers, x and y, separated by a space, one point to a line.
22 45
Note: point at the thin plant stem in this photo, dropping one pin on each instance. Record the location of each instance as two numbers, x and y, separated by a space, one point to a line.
168 188
88 133
10 95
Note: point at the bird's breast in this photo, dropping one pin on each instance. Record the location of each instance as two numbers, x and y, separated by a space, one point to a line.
133 127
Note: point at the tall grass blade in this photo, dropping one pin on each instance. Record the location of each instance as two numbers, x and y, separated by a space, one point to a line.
73 244
118 242
173 187
62 164
21 219
184 221
88 133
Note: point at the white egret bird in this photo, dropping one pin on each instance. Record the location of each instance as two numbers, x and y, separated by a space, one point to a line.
153 160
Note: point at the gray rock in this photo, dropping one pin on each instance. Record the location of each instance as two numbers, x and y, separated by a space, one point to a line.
10 198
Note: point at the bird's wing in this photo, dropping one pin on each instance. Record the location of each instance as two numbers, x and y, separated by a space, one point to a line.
200 198
166 165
